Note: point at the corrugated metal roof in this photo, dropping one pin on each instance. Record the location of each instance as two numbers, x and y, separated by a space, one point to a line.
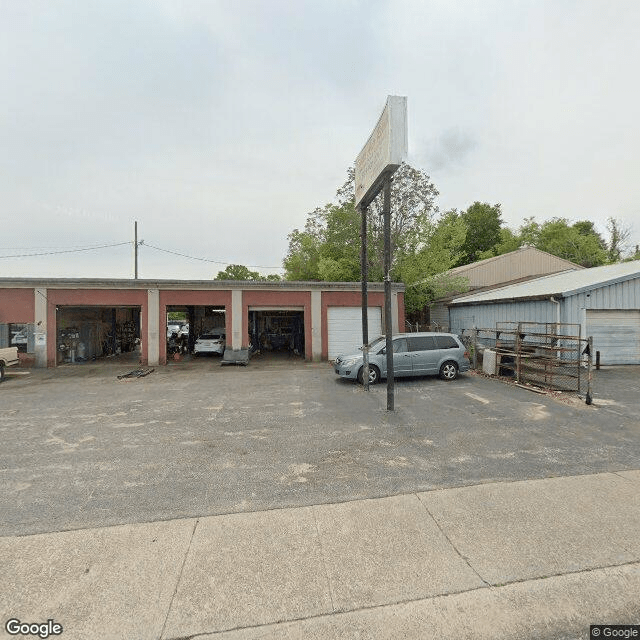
560 284
526 256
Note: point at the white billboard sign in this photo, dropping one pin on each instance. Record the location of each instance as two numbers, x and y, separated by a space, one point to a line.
385 150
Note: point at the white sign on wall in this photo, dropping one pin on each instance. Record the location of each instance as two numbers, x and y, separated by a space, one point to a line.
384 151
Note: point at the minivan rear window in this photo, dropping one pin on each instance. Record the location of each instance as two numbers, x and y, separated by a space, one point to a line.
421 343
446 342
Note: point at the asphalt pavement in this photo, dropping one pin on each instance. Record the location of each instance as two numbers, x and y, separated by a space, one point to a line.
84 449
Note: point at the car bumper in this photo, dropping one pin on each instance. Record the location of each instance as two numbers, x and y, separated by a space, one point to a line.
350 371
219 350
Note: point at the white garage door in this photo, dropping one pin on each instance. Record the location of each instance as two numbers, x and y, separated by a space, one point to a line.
616 335
344 328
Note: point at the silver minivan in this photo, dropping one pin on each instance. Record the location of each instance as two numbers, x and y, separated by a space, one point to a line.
414 354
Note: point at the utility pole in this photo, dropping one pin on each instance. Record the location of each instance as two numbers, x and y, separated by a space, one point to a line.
135 249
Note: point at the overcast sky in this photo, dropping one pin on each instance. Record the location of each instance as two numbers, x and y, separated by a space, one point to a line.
219 125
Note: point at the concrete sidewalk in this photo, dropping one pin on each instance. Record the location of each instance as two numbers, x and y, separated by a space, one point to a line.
537 558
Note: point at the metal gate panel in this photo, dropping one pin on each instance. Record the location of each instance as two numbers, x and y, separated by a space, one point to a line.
344 328
616 335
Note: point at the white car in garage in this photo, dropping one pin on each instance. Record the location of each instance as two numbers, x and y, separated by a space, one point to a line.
173 328
210 342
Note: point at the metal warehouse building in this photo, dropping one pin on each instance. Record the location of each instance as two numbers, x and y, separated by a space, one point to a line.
522 264
603 301
319 319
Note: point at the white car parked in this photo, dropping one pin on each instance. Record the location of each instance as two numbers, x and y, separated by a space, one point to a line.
173 328
212 342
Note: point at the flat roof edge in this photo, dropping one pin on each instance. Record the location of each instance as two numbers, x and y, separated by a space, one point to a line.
130 283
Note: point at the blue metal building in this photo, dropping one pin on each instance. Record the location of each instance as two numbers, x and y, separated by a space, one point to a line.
603 301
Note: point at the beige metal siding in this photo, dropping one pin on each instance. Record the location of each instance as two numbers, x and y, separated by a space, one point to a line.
510 267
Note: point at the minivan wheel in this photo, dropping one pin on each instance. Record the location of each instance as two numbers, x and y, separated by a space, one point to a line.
449 371
374 374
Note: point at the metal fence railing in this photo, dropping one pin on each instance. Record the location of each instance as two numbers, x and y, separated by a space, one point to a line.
548 355
417 327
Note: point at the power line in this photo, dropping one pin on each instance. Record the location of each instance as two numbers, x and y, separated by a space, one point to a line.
74 246
184 255
51 253
140 243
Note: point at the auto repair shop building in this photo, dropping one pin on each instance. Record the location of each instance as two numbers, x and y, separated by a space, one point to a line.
603 301
324 318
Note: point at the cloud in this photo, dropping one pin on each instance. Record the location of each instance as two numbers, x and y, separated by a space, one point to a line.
219 124
449 150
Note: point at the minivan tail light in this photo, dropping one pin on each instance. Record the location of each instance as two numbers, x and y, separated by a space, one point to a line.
466 355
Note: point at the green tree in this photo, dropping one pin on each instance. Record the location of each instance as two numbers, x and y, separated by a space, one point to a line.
329 245
240 272
529 232
586 228
578 242
617 245
303 256
413 197
328 248
509 241
340 252
436 248
423 243
484 223
633 254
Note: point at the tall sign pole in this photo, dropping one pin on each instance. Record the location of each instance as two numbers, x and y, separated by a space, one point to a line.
388 320
383 153
364 264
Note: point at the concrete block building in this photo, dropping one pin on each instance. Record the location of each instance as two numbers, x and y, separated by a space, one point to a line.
322 319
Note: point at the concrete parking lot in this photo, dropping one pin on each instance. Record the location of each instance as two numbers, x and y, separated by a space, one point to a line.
84 449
